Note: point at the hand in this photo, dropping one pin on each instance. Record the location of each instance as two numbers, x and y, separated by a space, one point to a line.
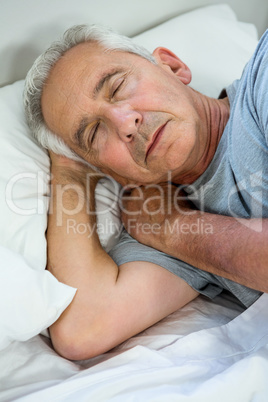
73 170
73 186
149 213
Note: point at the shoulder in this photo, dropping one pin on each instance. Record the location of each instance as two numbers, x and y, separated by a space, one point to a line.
249 95
258 83
258 65
255 70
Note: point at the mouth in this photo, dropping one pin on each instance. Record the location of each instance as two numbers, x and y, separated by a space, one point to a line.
155 140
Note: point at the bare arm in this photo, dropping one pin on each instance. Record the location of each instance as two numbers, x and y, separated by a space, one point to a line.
112 303
233 248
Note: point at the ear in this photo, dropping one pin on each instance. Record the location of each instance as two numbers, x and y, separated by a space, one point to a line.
168 60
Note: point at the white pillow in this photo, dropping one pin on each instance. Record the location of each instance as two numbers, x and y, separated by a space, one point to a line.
24 170
211 41
30 300
24 178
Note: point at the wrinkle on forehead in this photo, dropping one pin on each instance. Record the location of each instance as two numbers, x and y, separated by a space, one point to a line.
73 76
61 90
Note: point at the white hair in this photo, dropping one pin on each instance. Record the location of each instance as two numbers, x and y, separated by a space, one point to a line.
39 73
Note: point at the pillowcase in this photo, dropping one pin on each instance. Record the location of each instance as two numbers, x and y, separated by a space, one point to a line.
211 41
24 181
24 174
31 300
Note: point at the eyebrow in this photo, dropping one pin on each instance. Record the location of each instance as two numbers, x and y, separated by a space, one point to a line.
103 80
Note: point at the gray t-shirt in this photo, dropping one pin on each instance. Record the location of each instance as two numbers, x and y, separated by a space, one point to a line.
235 183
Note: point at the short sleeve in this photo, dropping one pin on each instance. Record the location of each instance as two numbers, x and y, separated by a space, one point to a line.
259 83
129 250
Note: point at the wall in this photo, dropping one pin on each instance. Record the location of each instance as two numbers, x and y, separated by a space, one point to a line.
254 11
27 27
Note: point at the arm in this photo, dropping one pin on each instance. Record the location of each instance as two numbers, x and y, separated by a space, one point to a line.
233 248
112 303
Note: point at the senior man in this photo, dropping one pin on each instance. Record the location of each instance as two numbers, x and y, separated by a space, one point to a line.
99 98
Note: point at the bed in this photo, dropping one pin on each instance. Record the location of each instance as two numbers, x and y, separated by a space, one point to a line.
208 350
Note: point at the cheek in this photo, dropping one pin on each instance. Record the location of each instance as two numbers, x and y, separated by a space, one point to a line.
185 148
151 98
114 156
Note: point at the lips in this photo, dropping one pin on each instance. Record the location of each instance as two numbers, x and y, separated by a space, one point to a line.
156 138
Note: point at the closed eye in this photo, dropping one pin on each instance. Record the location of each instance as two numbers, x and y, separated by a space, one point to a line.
94 132
119 84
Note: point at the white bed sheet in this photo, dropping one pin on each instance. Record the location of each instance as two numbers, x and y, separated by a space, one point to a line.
206 351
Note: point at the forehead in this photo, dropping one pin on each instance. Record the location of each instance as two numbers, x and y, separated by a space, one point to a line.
91 56
87 61
75 76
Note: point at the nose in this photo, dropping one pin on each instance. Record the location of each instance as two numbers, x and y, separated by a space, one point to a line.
125 121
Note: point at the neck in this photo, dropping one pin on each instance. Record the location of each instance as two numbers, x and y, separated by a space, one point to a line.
214 115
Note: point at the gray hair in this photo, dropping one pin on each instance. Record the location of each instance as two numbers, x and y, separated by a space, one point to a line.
39 73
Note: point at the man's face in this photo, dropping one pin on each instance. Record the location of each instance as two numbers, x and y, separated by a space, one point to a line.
133 119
